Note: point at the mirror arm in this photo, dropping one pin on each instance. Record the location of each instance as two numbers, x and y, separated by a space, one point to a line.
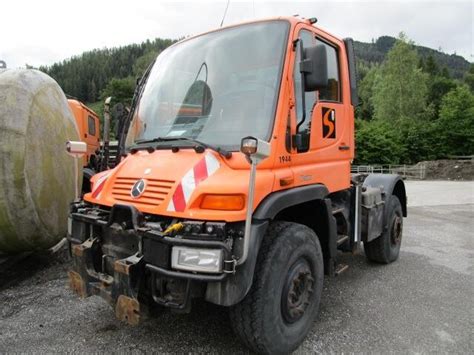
303 92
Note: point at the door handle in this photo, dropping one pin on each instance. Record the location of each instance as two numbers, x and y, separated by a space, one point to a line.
344 147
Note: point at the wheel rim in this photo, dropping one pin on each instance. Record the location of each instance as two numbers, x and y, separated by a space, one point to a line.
396 232
297 290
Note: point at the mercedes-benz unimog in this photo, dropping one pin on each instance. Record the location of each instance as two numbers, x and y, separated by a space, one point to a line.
235 184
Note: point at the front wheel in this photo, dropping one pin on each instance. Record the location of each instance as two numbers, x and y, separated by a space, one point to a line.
282 304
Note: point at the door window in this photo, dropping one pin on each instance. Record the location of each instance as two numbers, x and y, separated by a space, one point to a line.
332 91
91 125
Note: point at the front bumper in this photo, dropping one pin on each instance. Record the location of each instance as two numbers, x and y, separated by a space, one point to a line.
125 259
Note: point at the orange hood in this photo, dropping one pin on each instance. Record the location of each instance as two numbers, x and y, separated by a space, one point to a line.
174 184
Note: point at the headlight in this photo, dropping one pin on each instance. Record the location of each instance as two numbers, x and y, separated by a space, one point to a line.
193 259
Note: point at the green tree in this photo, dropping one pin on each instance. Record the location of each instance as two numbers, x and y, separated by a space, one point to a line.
469 77
365 110
92 95
438 87
142 63
456 122
421 63
419 140
445 73
121 90
431 67
400 89
377 143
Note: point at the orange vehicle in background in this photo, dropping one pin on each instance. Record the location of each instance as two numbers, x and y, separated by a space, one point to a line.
89 129
100 155
187 213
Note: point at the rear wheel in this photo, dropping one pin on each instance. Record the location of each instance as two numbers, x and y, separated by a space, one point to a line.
283 302
386 248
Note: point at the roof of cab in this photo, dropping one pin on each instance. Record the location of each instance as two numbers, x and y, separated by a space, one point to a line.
293 20
79 104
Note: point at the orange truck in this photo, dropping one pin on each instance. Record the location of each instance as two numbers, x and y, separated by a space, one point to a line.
235 184
88 125
96 157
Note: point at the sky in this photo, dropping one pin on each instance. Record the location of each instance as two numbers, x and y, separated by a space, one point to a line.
43 32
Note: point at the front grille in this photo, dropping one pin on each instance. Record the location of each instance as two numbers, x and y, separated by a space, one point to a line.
155 191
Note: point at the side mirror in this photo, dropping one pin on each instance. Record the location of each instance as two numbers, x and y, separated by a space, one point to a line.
314 66
255 149
301 141
76 148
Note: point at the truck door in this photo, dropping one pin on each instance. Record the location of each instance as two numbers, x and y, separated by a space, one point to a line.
91 132
327 126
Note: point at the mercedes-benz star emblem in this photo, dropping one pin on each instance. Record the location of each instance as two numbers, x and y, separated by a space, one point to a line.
138 188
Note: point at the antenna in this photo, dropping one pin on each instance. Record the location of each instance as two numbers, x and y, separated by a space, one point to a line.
225 12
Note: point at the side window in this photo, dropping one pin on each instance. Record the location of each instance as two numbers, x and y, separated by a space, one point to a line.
308 39
332 91
91 125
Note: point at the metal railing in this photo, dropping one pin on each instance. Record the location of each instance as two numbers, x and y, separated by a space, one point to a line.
415 172
462 157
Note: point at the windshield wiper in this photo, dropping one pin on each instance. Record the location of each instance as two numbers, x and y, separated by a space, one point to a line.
153 140
225 153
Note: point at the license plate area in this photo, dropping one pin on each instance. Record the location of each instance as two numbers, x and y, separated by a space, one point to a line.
156 252
117 243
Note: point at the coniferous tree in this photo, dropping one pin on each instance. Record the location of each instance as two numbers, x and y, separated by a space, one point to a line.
431 66
469 78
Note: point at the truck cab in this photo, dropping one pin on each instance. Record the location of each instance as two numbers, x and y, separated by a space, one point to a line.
89 128
235 184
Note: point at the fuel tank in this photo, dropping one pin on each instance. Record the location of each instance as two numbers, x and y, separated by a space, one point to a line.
37 177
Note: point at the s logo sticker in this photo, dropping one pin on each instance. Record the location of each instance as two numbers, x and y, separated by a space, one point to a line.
329 123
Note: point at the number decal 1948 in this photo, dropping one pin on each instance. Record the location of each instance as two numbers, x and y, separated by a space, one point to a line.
285 158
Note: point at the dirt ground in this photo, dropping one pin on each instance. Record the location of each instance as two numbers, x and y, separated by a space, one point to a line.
421 303
448 169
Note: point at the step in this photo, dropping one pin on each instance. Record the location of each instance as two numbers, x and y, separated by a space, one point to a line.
340 268
338 210
341 239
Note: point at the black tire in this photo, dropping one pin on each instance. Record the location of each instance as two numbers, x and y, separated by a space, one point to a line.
282 304
386 248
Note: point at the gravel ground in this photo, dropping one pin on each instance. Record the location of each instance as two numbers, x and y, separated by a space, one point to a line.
420 304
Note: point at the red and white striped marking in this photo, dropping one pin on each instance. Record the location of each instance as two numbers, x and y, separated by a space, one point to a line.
99 185
207 166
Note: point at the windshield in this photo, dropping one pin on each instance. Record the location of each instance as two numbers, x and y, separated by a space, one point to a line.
216 88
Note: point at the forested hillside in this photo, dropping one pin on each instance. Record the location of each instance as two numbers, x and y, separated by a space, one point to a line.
87 75
375 52
416 103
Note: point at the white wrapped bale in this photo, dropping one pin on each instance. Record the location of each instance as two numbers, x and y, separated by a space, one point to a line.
36 174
